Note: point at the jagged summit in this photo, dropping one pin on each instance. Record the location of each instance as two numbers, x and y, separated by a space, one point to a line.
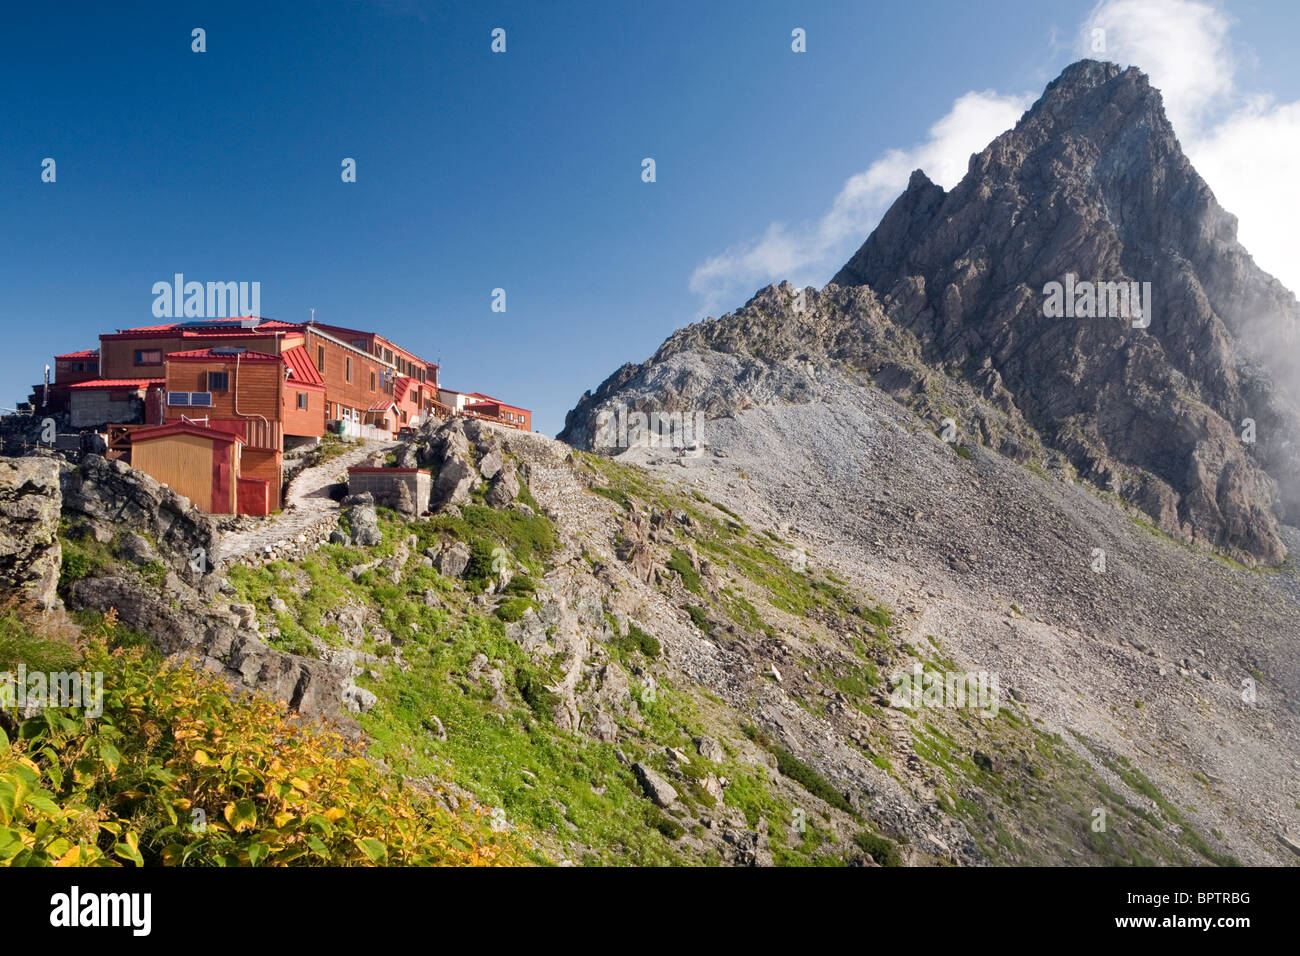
1092 183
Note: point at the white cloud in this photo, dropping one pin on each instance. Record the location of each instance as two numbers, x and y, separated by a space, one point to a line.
1246 146
1250 161
1181 44
806 253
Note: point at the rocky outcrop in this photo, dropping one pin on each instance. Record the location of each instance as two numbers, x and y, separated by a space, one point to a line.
464 454
30 555
101 495
787 346
659 790
231 647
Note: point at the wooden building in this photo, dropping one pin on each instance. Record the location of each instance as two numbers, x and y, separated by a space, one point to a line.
261 382
258 396
493 409
201 463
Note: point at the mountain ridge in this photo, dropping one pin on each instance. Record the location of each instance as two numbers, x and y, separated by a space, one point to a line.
1092 183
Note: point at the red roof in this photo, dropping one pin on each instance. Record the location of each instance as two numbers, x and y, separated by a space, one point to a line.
303 370
120 383
209 355
382 407
400 386
489 400
222 325
186 428
83 354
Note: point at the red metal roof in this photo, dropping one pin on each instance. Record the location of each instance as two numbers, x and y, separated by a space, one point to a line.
120 383
265 328
209 355
264 325
400 386
187 428
83 354
303 370
382 407
489 400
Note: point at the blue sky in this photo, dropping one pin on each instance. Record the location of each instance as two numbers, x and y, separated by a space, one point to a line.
519 170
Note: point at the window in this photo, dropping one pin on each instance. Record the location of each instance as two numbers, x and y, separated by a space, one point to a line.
320 358
302 399
347 370
359 344
218 381
372 381
148 356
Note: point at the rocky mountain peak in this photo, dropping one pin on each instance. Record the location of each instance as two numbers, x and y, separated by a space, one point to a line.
1089 188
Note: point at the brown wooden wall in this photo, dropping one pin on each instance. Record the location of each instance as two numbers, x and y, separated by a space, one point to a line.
339 390
259 388
184 464
117 355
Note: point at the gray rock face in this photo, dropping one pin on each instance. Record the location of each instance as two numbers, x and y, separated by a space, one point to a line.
504 488
30 554
136 548
456 479
659 790
311 687
102 495
1092 182
789 346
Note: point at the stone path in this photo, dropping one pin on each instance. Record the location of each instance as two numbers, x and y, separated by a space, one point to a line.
308 515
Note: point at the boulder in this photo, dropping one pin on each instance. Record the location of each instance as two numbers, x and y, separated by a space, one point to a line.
357 699
659 790
453 559
363 520
491 462
456 479
603 728
136 548
504 489
709 749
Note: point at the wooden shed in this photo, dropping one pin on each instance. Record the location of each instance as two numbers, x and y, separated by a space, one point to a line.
200 463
